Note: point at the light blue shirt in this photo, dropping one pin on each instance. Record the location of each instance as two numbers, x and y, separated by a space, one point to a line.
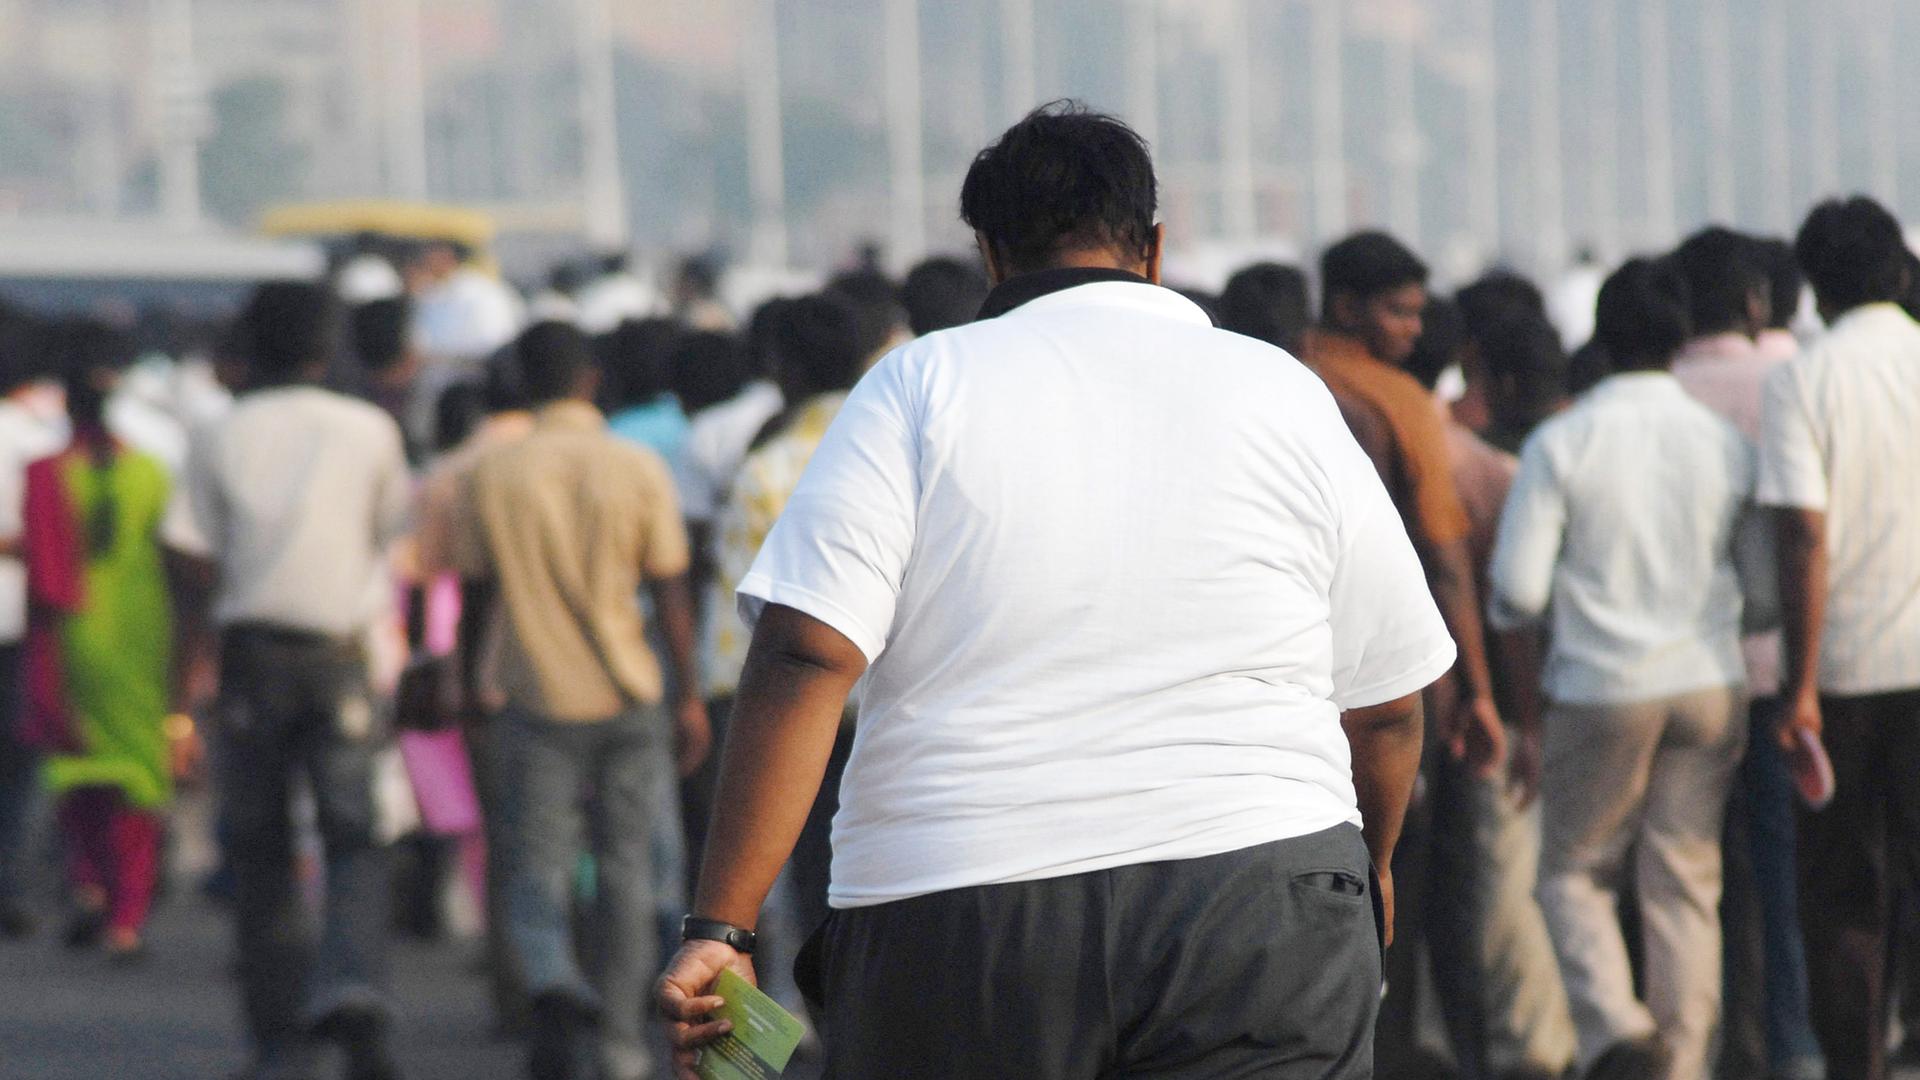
659 426
1630 530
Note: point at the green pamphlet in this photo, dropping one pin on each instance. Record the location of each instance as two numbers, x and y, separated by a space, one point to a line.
761 1042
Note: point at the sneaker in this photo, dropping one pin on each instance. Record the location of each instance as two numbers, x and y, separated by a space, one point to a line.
565 1039
1635 1059
362 1035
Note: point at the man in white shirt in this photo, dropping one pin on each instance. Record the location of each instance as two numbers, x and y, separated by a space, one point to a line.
1142 638
1840 464
294 500
1622 527
25 437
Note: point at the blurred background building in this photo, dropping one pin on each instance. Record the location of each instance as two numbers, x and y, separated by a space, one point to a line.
789 132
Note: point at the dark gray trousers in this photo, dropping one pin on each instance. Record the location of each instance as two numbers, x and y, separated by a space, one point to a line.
1263 962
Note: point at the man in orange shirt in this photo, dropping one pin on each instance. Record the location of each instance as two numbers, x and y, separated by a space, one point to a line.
1374 294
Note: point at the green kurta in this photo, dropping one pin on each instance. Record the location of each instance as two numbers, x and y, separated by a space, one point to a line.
118 648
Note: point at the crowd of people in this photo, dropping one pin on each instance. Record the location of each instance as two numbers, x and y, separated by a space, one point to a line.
1663 821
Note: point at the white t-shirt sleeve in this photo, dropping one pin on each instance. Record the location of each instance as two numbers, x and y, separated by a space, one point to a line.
193 521
1388 638
693 470
1533 525
1792 469
840 548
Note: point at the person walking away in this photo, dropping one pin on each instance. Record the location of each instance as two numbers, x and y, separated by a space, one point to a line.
1840 466
25 437
817 357
1490 943
100 662
1767 1029
294 593
569 523
1143 641
1631 522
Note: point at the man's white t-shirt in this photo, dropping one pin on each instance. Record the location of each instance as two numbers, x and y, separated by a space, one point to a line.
1117 572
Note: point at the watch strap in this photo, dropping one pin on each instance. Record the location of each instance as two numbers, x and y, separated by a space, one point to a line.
739 939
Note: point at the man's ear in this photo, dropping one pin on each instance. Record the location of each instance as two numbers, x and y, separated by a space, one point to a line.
1156 245
1346 309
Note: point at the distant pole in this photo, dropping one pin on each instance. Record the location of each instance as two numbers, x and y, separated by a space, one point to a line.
362 86
1776 146
1143 69
1329 123
1017 58
1603 158
1823 121
183 111
604 192
766 148
907 167
1657 119
1883 115
406 107
1402 148
1483 136
1543 73
1715 46
1238 213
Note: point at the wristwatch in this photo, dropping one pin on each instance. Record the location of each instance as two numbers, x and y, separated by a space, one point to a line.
740 940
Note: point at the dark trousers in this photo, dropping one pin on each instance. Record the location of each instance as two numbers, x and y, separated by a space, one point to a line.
21 795
1260 962
1854 855
295 705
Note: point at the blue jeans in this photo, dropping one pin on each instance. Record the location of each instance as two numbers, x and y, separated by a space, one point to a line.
295 705
1764 799
594 786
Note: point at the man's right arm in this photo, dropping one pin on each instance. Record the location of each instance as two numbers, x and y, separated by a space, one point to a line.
1803 609
1385 740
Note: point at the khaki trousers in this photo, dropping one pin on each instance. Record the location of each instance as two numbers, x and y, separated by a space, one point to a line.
1640 788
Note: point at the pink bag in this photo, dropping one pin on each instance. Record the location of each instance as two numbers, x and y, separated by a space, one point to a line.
442 780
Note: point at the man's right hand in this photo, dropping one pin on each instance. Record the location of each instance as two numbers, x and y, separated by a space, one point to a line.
685 998
1803 714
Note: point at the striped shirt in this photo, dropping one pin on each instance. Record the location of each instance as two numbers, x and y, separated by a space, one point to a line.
1840 433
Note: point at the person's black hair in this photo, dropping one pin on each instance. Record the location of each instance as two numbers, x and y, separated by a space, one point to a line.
708 367
1442 334
553 356
1526 370
289 330
1065 178
566 277
1588 365
457 412
613 262
1643 315
1910 300
1496 297
380 329
817 346
636 360
875 300
1723 273
1853 253
1365 265
502 387
699 275
1267 301
1785 282
943 292
757 345
91 356
23 343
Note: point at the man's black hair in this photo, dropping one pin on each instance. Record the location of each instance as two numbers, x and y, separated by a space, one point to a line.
1365 265
552 357
876 302
943 292
501 386
1785 282
22 348
1267 301
1065 178
817 346
85 350
757 347
1588 365
456 412
1526 369
1496 297
1643 315
636 359
1442 333
1853 253
708 368
1723 273
290 330
380 330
